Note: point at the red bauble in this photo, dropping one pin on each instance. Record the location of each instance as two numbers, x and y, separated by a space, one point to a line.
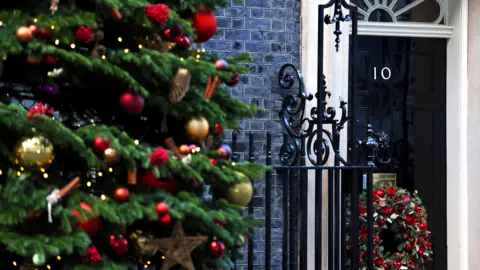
119 246
161 208
91 255
205 24
33 28
216 249
159 157
84 34
148 179
181 42
408 247
121 194
391 191
46 32
221 64
91 226
221 223
158 13
423 227
100 145
184 149
219 129
378 262
24 34
362 210
50 60
379 193
165 220
213 162
233 81
132 104
223 152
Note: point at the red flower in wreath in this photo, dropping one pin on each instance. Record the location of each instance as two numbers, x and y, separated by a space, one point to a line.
157 13
159 157
84 34
401 213
91 256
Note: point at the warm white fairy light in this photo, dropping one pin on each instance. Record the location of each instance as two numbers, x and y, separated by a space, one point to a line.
1 172
110 169
89 184
140 46
198 51
233 163
52 27
120 39
145 266
203 50
45 175
103 197
72 45
137 142
181 58
126 50
1 23
59 258
42 169
22 169
49 267
163 257
19 173
198 60
198 56
57 41
14 263
148 262
104 57
100 174
35 20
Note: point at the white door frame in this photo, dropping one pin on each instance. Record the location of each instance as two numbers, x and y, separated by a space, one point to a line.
335 65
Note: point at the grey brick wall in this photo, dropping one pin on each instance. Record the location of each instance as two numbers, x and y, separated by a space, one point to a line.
270 30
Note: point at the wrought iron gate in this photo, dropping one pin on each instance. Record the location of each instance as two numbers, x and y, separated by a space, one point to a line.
311 147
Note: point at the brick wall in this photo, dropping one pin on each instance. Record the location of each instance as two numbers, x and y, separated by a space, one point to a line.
270 30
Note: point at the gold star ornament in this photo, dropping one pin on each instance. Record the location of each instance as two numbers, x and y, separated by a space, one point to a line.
176 249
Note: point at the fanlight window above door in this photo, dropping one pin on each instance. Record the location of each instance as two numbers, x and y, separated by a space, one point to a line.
425 11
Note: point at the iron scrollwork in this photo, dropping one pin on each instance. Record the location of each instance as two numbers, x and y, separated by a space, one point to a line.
300 127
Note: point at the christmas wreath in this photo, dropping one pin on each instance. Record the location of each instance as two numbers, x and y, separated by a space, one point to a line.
401 236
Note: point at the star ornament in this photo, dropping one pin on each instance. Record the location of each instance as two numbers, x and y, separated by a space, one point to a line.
176 249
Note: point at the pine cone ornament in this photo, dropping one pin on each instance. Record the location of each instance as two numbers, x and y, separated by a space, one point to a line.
180 85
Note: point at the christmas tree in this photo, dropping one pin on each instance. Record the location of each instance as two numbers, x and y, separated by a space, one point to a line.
112 124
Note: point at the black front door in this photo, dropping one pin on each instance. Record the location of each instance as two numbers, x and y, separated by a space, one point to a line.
401 90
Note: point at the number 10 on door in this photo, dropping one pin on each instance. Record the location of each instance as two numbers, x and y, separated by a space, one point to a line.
385 73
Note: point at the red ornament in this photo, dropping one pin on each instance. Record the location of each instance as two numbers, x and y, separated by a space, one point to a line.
159 157
205 24
161 208
158 13
91 256
423 227
165 220
50 60
91 226
33 28
213 162
132 104
84 34
121 194
362 210
149 179
387 210
219 129
409 220
46 32
379 193
184 149
233 81
172 32
39 108
378 262
391 192
223 152
408 247
221 64
181 42
420 252
100 145
119 246
216 248
24 34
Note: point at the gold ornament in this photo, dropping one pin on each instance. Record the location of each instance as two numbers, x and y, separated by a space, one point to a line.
197 128
24 34
240 193
180 85
36 150
176 249
111 156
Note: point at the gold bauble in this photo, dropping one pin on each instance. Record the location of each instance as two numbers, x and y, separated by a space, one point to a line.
36 150
240 193
197 128
111 156
24 34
